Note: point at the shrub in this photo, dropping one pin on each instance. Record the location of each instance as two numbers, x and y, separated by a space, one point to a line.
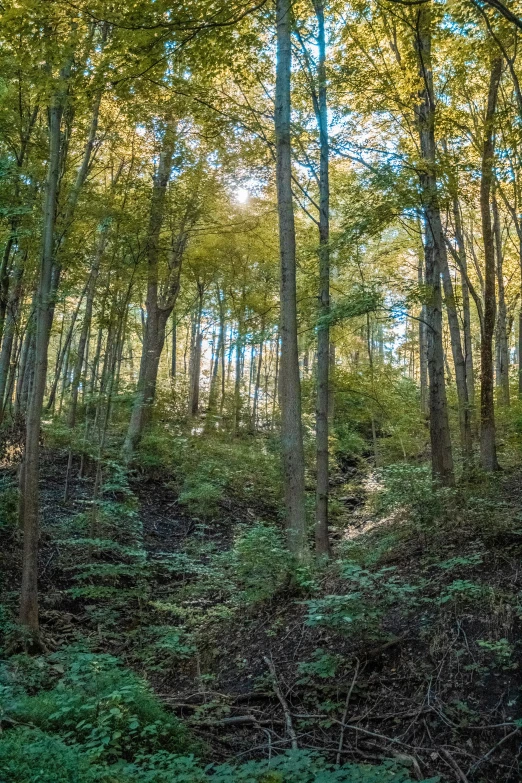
261 562
214 473
362 610
102 706
31 756
410 488
8 503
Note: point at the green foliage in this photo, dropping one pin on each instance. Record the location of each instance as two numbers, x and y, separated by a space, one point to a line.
322 664
261 563
31 756
501 652
361 611
464 591
410 489
102 706
215 474
361 300
8 503
460 561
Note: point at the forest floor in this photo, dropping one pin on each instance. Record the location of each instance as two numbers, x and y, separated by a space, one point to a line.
407 647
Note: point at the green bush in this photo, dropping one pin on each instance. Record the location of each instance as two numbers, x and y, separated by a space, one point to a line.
30 756
261 562
213 473
8 503
410 489
104 707
361 610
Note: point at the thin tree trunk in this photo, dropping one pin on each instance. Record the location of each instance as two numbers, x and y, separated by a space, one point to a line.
237 380
257 385
64 352
423 349
501 329
174 345
9 332
154 327
29 506
459 362
8 398
195 359
276 379
290 386
488 449
441 453
26 364
218 359
86 326
466 310
322 541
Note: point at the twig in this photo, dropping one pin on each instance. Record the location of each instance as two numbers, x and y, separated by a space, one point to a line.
412 761
284 704
237 720
484 758
453 764
345 713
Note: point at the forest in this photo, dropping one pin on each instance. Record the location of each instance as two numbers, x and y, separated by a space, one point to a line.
260 391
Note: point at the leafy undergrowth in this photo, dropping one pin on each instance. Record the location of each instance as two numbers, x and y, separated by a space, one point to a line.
186 647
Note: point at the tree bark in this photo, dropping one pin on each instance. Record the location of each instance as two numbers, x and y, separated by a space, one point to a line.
86 325
290 385
156 320
174 346
441 453
466 310
44 312
195 362
488 449
459 362
502 349
423 338
322 541
9 332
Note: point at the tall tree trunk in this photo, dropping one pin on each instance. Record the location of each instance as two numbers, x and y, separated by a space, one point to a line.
86 325
502 347
459 362
26 363
322 541
520 319
15 357
488 448
63 353
29 506
219 357
423 344
257 384
290 385
174 345
441 453
9 332
466 310
155 323
237 374
275 400
195 357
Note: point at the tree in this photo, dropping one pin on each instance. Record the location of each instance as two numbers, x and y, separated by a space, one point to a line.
289 383
488 450
434 254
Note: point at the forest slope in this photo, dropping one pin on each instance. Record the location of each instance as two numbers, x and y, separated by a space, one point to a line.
404 647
